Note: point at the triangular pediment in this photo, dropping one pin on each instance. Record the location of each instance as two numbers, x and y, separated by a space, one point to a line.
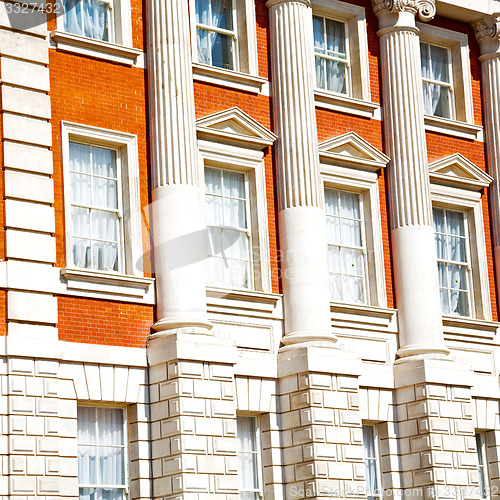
236 126
458 171
353 151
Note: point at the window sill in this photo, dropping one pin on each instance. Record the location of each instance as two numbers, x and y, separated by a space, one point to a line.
345 104
109 284
95 48
453 127
245 302
371 316
462 328
229 78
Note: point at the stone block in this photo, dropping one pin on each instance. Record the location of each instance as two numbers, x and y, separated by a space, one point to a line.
28 130
25 74
26 102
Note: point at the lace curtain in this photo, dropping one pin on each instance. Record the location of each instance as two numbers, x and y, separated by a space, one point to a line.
344 228
94 183
248 458
101 453
435 67
226 208
371 472
88 18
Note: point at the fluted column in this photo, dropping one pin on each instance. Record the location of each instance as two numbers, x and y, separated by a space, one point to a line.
488 35
302 226
412 231
179 230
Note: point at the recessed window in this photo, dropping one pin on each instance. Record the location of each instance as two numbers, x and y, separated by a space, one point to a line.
102 453
346 246
229 235
372 466
216 33
437 80
482 466
331 55
96 207
452 244
89 18
249 458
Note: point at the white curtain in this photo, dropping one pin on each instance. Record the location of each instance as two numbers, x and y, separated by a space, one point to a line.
87 18
434 62
101 455
87 165
247 456
344 230
228 248
214 48
370 453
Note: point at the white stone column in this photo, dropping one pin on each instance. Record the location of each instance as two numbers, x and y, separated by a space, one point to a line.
412 231
301 218
179 227
488 35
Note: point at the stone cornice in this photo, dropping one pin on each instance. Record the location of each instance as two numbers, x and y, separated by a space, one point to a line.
426 9
488 26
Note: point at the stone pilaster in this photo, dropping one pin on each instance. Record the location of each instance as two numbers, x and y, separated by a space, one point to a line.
412 232
193 417
321 424
302 227
488 35
179 227
436 430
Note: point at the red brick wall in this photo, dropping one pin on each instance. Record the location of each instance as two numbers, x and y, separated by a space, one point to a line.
93 321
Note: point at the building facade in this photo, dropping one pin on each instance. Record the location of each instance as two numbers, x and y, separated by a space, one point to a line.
250 249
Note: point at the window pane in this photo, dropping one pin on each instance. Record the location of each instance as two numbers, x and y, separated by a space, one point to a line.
455 223
456 248
96 20
221 50
79 157
87 494
234 184
439 64
73 16
425 60
111 466
335 36
353 290
349 205
457 277
105 256
215 240
352 262
222 14
111 494
105 193
443 277
80 221
87 466
203 46
320 72
235 213
81 186
104 162
440 100
336 287
246 431
439 221
110 426
336 76
318 29
81 253
202 11
333 230
235 244
248 454
445 301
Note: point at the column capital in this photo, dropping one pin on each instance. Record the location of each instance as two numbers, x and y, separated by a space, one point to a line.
487 31
272 3
487 27
426 9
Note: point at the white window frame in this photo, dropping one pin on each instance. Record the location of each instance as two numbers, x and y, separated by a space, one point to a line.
448 85
363 248
469 202
462 122
252 165
258 445
248 231
481 451
365 184
126 145
241 150
358 102
126 487
467 264
245 75
374 426
347 60
118 49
